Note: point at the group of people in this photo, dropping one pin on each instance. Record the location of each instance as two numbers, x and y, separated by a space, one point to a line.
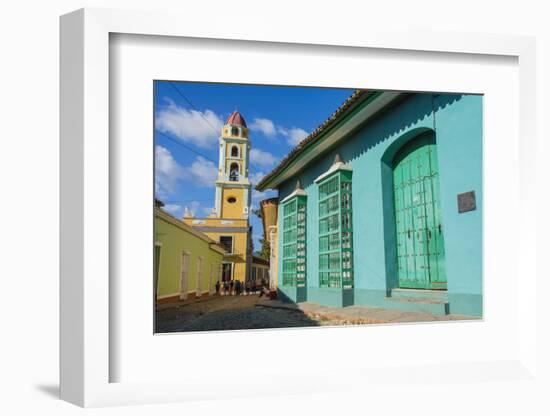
235 287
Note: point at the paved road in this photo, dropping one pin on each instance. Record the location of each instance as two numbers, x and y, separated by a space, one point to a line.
228 312
252 312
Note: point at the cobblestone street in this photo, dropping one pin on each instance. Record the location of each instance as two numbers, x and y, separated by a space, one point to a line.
227 312
252 312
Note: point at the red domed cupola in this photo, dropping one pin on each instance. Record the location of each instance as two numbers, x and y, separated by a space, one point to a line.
236 119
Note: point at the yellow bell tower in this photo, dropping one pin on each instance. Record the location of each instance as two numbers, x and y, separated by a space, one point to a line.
232 185
228 223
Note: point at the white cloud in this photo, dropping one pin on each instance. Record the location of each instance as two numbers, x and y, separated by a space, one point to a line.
202 172
190 126
258 196
174 209
167 172
293 135
256 177
264 125
261 158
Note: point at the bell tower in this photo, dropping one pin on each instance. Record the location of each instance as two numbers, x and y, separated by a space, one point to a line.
232 186
228 222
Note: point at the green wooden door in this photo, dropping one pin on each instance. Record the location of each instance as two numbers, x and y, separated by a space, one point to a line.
420 242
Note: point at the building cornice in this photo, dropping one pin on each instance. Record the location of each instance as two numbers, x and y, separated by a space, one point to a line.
334 168
297 192
233 184
218 229
234 139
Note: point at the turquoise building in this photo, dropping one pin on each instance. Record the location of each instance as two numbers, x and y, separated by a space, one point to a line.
382 204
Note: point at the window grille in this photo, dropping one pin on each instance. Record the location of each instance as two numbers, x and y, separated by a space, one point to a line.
336 231
294 241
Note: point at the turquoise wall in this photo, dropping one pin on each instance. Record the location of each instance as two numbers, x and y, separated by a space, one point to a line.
457 122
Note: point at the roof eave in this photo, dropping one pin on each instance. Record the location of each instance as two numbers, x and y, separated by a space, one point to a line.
364 108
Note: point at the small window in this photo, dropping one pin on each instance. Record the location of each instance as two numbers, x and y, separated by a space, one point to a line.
235 151
231 199
227 243
234 131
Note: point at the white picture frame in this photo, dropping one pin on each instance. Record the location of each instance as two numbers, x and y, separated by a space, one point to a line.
86 292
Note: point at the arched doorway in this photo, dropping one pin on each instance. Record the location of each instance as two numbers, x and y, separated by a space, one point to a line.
419 228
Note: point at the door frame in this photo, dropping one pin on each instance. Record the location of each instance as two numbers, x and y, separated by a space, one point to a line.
388 203
156 275
184 282
428 283
200 274
232 269
211 283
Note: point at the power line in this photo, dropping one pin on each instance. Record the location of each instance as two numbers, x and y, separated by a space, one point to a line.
178 142
192 106
187 200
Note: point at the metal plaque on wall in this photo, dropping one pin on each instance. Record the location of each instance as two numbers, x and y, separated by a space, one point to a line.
466 201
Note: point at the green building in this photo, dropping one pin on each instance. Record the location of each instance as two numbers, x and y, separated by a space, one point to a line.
187 262
381 205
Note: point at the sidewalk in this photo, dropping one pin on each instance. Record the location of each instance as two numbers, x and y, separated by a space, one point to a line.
358 314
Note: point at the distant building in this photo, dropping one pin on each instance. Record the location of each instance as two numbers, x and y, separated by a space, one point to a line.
381 205
268 209
187 262
228 223
259 270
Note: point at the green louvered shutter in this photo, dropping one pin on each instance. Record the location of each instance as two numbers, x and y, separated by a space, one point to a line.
294 241
336 231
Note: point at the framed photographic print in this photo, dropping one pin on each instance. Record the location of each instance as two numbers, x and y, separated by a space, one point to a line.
346 227
323 215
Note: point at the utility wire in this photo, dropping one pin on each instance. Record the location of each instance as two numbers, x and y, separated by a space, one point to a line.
192 106
180 143
188 200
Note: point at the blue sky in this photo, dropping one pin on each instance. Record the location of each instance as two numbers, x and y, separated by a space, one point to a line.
188 125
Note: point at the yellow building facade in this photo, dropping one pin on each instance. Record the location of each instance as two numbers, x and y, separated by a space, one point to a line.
228 223
187 262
